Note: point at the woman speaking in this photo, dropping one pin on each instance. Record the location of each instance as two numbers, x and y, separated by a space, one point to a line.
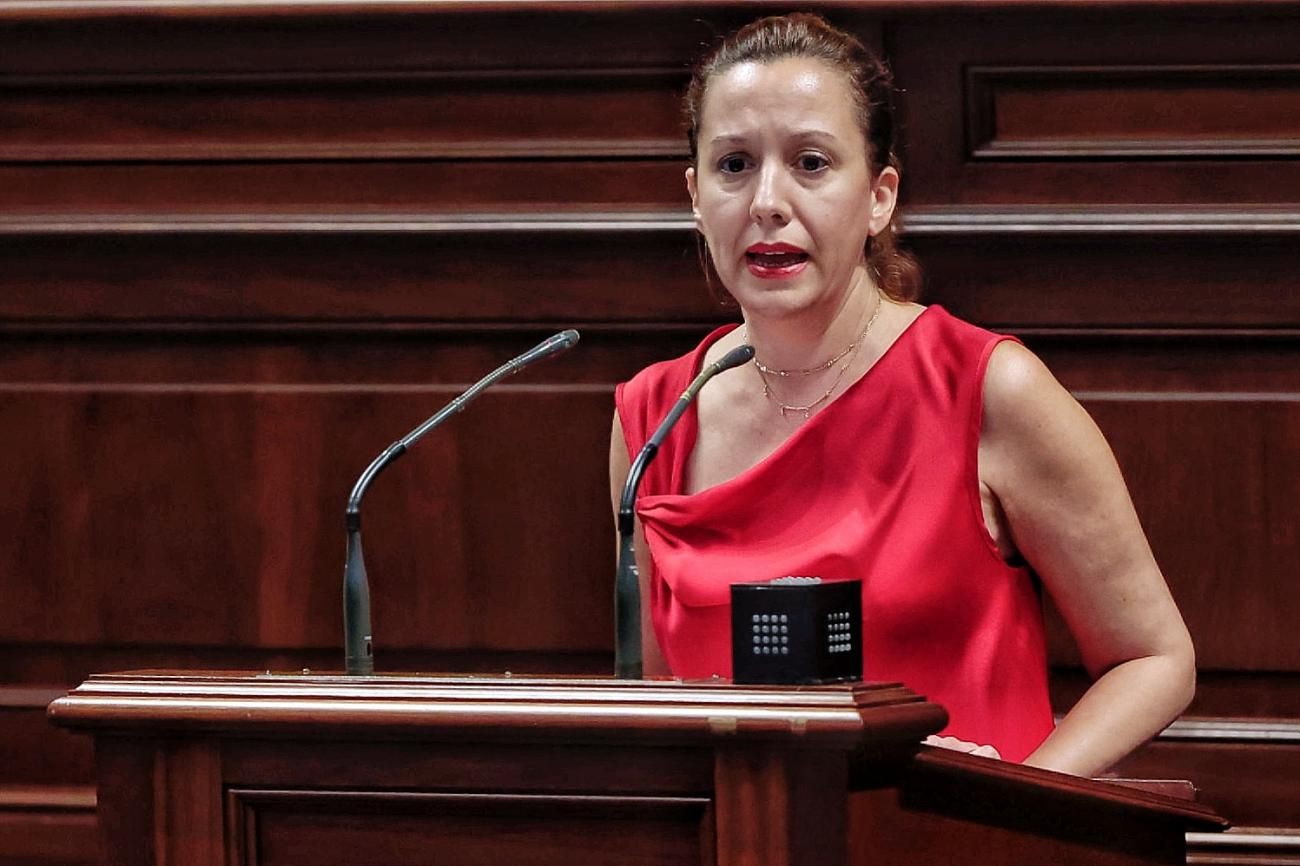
875 438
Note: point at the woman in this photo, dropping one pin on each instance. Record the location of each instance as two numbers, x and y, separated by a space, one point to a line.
872 437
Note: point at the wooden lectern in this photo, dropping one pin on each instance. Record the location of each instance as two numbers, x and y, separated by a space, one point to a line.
268 769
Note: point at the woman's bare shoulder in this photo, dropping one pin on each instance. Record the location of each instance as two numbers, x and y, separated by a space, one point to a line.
1022 397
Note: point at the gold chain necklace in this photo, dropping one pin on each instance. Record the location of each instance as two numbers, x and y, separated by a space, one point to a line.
849 353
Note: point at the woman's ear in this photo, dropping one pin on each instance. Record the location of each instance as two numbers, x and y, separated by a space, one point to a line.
884 198
694 193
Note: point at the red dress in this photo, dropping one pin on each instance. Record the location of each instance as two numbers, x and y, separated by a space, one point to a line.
880 485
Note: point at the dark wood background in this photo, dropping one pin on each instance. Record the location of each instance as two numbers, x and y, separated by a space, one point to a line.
246 245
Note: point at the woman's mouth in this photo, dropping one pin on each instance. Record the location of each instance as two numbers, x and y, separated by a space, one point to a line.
775 261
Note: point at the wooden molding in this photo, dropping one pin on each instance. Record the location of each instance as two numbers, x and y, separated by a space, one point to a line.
1261 732
58 798
59 9
1100 221
1245 846
485 707
345 223
920 222
974 771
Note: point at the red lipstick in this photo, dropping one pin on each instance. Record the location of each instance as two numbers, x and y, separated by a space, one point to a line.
775 261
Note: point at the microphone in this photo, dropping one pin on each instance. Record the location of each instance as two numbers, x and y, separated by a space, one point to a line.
357 638
627 590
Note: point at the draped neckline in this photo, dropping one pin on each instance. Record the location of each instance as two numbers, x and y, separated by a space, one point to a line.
689 425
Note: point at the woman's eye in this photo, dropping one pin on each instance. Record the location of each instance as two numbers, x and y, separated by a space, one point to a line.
732 164
812 162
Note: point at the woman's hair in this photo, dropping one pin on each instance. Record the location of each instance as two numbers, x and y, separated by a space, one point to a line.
803 34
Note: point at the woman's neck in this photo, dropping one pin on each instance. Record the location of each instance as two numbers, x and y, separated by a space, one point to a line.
809 340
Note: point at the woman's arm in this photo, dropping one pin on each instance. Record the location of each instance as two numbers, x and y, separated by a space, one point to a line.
652 660
1070 516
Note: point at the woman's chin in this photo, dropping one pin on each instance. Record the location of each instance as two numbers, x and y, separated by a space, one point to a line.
775 299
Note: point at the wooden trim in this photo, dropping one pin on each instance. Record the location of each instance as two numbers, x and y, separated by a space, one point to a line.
973 771
84 9
1100 221
147 79
472 801
63 798
1187 396
1040 336
1245 846
1179 789
56 826
344 223
481 709
476 151
1255 731
921 222
243 808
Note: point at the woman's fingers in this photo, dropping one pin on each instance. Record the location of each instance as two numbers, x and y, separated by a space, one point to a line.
958 745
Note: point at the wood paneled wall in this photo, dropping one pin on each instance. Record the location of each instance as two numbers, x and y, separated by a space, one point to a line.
246 245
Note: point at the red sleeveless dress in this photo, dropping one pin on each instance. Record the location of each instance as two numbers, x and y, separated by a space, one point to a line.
881 485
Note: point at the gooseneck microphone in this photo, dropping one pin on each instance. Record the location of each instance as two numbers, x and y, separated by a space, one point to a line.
357 637
627 590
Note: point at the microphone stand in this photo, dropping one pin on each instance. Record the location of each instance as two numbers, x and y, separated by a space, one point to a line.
357 636
627 587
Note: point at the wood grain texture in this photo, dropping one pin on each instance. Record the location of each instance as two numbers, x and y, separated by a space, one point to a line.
1116 112
1238 465
931 57
228 505
330 188
328 117
1252 779
778 793
348 827
1244 846
490 710
776 808
247 244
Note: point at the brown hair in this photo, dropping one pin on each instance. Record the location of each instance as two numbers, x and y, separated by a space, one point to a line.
804 34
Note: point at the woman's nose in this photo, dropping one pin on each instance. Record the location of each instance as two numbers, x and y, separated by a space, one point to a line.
770 203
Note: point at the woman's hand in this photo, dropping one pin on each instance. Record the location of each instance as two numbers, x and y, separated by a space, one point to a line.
962 746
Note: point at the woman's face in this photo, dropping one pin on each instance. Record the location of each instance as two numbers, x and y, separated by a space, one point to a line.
782 191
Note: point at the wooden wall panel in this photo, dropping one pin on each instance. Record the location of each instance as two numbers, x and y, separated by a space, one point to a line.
1201 469
329 117
1253 781
30 753
338 827
1117 112
225 519
1135 107
248 245
327 190
395 271
1105 279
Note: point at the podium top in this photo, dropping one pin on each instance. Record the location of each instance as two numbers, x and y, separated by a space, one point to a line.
877 726
849 717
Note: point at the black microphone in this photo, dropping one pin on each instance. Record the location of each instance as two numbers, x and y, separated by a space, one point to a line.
627 590
357 638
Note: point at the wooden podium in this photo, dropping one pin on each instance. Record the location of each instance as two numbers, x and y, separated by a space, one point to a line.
268 769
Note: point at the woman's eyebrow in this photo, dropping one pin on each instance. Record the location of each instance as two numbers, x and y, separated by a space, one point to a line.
798 135
728 139
817 134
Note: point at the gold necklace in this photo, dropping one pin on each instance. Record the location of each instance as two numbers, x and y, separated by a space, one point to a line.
773 371
849 353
